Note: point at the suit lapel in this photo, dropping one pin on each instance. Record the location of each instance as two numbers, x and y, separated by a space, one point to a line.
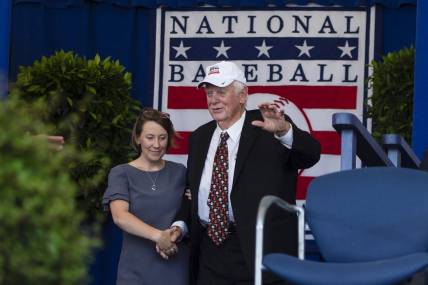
203 144
248 135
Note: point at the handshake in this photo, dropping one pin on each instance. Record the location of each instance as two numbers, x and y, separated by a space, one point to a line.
166 242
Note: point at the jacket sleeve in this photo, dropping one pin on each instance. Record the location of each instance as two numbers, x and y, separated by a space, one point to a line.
305 151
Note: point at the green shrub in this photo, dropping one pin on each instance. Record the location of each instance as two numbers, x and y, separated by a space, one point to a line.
88 102
41 241
392 100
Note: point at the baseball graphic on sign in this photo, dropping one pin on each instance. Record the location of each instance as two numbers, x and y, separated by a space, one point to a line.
289 108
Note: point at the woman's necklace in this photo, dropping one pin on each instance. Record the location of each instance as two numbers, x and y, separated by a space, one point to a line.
154 186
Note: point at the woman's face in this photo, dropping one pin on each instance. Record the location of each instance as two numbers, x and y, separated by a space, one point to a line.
153 141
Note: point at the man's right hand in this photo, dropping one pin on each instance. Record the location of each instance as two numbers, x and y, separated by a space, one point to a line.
176 233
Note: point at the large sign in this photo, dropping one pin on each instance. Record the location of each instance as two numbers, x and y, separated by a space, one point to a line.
310 61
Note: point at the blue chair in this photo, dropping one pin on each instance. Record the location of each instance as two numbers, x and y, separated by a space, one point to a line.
371 226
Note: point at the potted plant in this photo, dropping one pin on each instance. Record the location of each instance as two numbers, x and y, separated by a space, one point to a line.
88 102
41 241
391 104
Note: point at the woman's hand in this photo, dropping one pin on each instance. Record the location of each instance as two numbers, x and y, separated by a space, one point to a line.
165 243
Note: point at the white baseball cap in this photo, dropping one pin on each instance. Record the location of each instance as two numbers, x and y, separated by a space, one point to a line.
222 74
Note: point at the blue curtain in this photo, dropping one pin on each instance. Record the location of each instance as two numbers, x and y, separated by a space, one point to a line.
233 3
127 34
5 9
420 101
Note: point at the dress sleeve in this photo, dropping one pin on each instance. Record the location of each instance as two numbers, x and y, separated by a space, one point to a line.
117 188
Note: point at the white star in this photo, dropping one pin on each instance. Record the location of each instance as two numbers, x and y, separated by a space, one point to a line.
263 49
222 50
181 50
346 50
304 49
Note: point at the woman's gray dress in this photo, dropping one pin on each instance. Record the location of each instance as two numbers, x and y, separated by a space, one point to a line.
139 263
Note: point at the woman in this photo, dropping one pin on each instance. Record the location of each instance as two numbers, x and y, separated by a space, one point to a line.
143 197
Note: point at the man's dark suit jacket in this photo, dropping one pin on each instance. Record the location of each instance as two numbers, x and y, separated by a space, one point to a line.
263 167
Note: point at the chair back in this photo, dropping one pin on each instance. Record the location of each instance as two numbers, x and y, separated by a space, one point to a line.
369 214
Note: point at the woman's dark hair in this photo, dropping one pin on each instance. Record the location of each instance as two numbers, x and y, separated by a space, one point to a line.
153 115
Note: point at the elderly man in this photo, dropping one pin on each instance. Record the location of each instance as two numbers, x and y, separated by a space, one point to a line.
234 161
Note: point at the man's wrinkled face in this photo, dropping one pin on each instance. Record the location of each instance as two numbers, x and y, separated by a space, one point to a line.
225 104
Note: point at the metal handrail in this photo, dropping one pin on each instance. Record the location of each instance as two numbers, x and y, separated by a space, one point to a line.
357 141
399 152
264 205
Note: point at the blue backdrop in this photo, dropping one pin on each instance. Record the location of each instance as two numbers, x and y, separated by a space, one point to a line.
420 126
125 30
125 33
5 10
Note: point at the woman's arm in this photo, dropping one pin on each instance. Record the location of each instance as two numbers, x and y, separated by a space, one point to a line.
133 225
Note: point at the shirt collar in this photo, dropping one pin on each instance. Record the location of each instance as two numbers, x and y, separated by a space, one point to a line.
235 130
